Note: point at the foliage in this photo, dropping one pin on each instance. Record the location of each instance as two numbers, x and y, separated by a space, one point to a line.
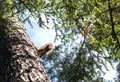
89 33
96 48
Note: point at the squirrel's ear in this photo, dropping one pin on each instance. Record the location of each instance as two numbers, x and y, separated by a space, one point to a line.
46 49
50 46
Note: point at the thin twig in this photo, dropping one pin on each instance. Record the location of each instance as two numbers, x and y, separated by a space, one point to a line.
25 5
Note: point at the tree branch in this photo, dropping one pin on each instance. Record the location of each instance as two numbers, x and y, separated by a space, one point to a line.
113 33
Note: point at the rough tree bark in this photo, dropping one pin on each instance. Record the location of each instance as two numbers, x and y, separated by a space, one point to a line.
19 61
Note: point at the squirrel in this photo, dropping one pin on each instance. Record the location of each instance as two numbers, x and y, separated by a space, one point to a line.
47 48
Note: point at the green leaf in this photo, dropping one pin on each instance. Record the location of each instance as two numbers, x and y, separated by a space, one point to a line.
71 35
10 2
99 21
118 54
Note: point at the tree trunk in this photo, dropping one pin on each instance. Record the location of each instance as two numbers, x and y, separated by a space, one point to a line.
19 61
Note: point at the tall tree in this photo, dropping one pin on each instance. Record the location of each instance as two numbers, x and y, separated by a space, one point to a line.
19 60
